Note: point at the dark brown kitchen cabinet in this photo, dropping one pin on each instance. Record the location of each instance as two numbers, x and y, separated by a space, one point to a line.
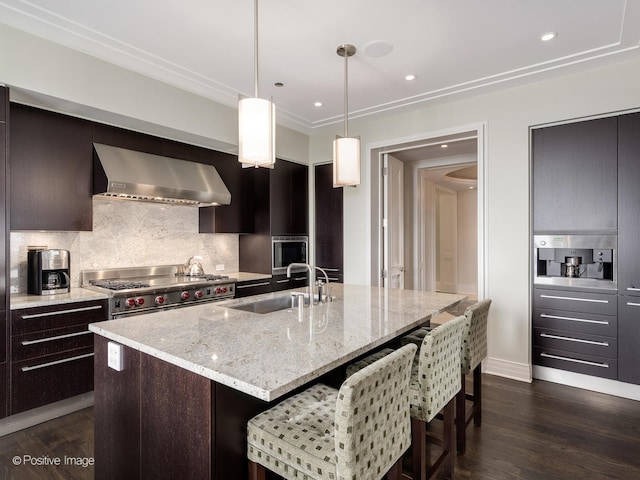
574 168
329 229
629 339
120 137
628 204
51 162
289 198
576 331
52 352
4 243
253 287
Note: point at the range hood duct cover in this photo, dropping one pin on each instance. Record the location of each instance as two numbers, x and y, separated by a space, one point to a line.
131 175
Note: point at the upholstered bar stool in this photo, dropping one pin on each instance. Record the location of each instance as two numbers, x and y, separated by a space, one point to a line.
435 380
474 350
358 432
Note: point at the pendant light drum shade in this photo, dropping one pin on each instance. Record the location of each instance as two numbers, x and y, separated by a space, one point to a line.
346 161
256 119
256 130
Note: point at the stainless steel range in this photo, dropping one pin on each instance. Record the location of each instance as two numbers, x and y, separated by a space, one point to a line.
138 290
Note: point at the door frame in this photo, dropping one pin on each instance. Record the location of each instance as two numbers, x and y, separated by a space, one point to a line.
375 152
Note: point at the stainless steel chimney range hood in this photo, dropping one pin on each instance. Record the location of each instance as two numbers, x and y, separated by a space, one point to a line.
130 175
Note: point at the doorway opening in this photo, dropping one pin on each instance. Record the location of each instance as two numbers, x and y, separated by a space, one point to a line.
430 236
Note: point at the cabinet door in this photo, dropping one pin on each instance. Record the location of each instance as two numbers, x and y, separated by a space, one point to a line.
329 230
575 177
289 199
51 162
629 339
628 202
253 287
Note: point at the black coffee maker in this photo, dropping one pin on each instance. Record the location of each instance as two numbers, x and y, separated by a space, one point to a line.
48 271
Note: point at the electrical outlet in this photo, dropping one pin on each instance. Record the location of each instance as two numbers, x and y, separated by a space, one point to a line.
219 267
114 356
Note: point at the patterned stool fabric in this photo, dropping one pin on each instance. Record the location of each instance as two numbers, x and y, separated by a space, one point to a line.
358 432
435 377
474 350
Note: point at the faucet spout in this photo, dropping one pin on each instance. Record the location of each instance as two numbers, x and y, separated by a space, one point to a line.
311 277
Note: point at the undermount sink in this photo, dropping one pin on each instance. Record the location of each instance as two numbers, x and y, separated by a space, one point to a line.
269 305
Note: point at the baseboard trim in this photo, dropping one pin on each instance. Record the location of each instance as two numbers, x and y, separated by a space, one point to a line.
43 414
587 382
507 369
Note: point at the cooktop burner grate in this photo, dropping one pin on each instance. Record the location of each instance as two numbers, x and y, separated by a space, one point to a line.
118 284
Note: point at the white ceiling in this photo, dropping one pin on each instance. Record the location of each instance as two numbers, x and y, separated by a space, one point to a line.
454 47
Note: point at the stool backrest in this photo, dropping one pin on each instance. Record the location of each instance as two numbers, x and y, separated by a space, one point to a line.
372 422
474 336
438 369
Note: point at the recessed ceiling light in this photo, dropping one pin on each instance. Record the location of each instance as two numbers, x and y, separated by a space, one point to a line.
410 77
444 145
317 104
548 36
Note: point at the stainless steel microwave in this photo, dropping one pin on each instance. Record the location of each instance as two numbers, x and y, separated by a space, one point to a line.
287 250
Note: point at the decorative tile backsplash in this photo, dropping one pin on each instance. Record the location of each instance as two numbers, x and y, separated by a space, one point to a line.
129 234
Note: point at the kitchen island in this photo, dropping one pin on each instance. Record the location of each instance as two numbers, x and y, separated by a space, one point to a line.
190 378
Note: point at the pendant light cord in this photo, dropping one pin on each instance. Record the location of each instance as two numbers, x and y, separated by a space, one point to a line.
346 94
255 48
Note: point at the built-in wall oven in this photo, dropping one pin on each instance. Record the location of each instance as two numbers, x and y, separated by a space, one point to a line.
286 250
588 261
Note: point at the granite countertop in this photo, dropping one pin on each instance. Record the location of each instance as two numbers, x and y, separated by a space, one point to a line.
24 300
269 355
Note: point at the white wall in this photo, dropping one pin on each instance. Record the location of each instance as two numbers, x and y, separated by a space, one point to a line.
48 75
507 115
468 241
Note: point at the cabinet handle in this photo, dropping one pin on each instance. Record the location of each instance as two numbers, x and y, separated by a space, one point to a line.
582 320
577 340
299 279
575 360
282 281
51 339
62 312
57 362
632 304
332 269
631 289
333 279
253 285
592 300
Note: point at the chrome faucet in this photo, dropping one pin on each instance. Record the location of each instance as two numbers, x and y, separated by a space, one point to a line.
312 280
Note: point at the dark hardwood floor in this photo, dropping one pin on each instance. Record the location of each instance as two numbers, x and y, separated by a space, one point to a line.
539 431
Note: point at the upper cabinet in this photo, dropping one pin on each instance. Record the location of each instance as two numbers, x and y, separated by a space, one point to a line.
289 198
629 201
329 230
575 177
51 173
50 163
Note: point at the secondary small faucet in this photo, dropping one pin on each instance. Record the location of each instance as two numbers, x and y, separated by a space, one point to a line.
312 280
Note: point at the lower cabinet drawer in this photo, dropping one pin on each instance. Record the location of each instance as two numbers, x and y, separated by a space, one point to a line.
253 288
29 320
48 379
575 301
50 342
576 342
576 362
589 323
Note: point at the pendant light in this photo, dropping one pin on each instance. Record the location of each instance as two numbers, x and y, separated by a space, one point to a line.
346 150
256 120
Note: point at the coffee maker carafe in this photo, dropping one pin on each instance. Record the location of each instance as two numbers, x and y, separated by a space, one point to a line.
48 271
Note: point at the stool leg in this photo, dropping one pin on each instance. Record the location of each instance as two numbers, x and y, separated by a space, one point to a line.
447 439
256 471
477 396
418 446
395 472
461 416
